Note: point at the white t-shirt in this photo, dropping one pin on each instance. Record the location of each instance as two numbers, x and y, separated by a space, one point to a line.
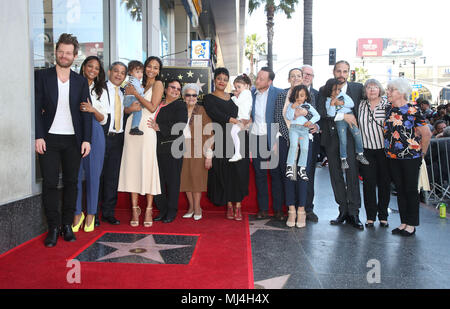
259 124
62 124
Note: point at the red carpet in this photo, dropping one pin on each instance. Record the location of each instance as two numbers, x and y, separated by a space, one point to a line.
221 260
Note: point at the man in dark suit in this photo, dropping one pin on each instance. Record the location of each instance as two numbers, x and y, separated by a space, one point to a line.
308 76
63 136
264 99
114 131
346 191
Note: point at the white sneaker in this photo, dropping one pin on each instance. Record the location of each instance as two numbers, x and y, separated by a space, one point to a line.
235 158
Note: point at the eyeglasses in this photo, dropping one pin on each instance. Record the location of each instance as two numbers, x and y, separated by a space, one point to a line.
307 74
372 88
391 89
187 95
175 88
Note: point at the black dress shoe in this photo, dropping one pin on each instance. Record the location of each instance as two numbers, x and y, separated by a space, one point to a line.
167 220
396 231
311 216
340 219
262 214
159 218
369 224
404 232
52 237
355 222
97 221
67 233
111 220
382 224
279 215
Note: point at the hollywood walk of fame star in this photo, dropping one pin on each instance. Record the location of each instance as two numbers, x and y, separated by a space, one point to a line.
261 225
199 84
272 283
145 247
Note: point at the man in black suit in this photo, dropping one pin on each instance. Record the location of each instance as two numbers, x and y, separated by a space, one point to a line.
346 191
114 131
63 136
308 76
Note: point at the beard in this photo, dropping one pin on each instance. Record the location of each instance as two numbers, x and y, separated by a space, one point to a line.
66 65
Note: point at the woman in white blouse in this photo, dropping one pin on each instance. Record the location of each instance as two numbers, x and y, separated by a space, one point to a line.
91 166
371 115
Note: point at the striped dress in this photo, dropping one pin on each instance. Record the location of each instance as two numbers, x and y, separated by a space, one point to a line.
371 123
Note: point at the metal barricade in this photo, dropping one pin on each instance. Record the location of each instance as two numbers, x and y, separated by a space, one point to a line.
437 160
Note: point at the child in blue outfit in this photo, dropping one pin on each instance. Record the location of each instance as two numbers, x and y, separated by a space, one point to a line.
299 130
340 102
136 72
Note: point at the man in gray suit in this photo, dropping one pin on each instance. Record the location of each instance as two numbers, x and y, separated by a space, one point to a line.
346 191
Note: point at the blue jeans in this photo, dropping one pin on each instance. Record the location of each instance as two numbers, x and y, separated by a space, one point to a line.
342 127
298 134
137 116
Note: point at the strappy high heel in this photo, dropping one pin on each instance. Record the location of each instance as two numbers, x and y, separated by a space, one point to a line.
301 218
149 223
230 212
138 212
292 214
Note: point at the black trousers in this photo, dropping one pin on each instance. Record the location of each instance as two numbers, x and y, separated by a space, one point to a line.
376 176
346 190
109 181
170 178
62 151
405 175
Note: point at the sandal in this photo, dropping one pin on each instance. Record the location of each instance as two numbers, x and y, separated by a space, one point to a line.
149 223
138 212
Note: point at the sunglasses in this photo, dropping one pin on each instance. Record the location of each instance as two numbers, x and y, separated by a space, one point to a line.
175 88
187 95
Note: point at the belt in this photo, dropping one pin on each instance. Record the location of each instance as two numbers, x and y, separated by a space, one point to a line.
113 133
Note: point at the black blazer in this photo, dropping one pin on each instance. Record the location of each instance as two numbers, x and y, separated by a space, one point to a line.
174 113
46 102
355 91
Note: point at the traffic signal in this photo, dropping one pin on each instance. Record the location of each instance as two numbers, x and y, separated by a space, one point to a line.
352 75
332 56
401 74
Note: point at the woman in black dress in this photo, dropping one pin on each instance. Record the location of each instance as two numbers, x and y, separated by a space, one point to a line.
227 181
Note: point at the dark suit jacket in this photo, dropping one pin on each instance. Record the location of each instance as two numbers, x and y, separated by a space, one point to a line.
46 102
270 109
355 91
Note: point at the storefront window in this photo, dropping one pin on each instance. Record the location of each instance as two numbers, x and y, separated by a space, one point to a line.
129 30
82 18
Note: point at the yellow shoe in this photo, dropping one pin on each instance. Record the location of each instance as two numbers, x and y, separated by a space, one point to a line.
90 228
76 228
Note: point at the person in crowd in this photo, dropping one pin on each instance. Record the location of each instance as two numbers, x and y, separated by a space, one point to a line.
425 108
437 159
113 143
243 99
439 127
135 75
440 114
407 138
371 115
63 136
308 77
346 191
295 190
197 159
340 102
264 99
227 181
91 166
139 172
171 112
299 130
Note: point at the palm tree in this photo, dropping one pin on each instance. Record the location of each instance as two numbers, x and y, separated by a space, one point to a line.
270 8
134 7
307 32
253 47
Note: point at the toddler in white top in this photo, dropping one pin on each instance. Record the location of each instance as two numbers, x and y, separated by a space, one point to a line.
243 99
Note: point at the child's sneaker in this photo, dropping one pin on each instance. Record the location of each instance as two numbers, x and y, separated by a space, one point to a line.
235 157
302 173
290 172
136 131
361 158
344 164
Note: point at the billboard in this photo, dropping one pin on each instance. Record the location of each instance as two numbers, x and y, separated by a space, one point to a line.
389 47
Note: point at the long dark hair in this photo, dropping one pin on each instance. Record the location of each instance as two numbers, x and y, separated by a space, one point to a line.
100 80
329 85
296 90
158 77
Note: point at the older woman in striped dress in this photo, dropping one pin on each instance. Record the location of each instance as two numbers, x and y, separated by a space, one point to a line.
371 115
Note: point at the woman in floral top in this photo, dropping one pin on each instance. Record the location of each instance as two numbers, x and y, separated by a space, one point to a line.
406 140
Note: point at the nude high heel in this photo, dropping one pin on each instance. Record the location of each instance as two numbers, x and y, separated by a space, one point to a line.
149 223
138 212
301 218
